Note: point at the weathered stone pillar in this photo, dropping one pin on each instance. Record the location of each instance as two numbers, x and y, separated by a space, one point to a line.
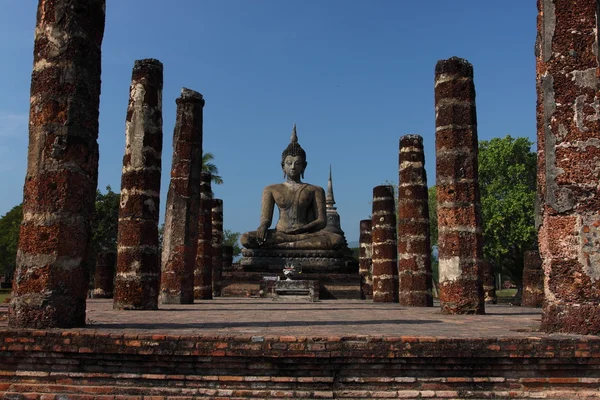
568 164
227 258
51 278
533 280
384 247
489 283
365 264
104 275
180 238
203 268
459 214
414 241
217 246
138 259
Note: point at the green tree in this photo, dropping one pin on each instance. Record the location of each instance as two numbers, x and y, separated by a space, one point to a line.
231 238
9 239
105 222
208 166
507 183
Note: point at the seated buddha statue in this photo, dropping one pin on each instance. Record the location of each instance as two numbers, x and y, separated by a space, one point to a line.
302 210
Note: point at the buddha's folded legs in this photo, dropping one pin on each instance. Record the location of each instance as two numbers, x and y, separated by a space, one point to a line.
277 240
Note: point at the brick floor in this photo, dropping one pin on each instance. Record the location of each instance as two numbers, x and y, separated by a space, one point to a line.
232 316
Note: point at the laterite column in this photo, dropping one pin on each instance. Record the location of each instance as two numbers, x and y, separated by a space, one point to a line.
385 251
365 264
217 246
458 202
489 283
51 278
227 258
533 280
569 163
104 276
203 268
414 241
138 259
180 239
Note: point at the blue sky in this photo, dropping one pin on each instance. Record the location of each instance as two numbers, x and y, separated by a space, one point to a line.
353 75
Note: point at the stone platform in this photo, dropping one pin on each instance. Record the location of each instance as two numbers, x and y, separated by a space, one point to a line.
257 348
331 286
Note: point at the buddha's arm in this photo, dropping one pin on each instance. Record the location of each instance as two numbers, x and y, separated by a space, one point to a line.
266 215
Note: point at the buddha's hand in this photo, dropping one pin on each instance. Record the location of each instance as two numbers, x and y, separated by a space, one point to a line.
261 234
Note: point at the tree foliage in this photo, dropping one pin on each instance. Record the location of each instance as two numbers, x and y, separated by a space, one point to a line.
9 239
105 222
208 166
507 183
231 238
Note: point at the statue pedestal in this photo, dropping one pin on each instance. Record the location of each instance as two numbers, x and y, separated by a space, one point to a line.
311 261
305 290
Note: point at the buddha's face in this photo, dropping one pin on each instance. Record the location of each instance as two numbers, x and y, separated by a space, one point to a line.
294 166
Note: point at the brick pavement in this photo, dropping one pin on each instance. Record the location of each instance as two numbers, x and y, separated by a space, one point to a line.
249 316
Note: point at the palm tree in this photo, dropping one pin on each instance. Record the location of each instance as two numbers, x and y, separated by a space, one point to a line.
211 168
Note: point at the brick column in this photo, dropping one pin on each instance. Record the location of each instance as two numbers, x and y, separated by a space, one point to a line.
533 280
227 258
217 246
385 251
104 275
414 241
489 283
180 239
459 214
203 268
138 260
51 277
365 264
569 135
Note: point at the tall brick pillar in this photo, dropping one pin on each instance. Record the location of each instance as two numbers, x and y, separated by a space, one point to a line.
217 246
51 278
489 283
104 275
384 247
458 203
414 241
533 280
227 258
365 267
138 259
569 164
180 238
203 268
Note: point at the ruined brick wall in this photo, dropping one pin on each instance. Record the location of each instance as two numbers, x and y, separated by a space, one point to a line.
569 163
138 258
104 275
128 366
203 268
533 280
227 258
458 202
217 246
51 278
384 245
414 240
365 263
180 238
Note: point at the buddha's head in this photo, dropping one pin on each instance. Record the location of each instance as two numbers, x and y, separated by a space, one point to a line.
293 158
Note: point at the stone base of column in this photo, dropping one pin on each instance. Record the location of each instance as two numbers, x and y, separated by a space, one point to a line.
458 297
581 318
37 311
